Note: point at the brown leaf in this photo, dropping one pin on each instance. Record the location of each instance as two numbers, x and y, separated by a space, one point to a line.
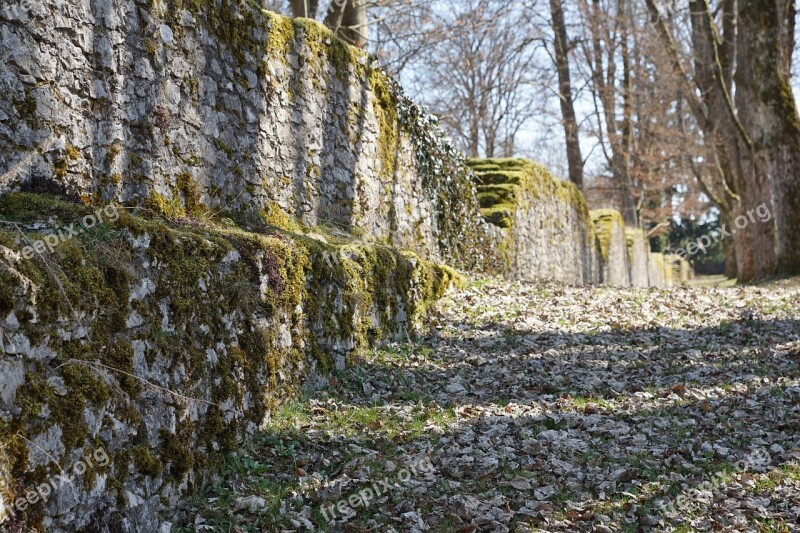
679 389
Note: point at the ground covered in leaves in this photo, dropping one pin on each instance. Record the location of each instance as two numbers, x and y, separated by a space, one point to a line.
539 407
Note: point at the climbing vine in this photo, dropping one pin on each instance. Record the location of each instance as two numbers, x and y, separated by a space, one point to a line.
462 232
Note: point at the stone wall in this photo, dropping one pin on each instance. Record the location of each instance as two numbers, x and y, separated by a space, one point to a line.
682 271
260 169
263 178
638 252
215 104
542 224
163 345
658 271
612 240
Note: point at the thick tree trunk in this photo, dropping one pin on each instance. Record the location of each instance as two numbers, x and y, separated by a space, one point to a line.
729 248
723 127
768 112
569 119
348 20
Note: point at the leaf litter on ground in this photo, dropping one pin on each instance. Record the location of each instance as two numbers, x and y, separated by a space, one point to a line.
543 407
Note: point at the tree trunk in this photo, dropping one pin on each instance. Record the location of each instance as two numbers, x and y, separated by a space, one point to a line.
604 77
629 211
729 248
768 112
305 8
569 119
348 20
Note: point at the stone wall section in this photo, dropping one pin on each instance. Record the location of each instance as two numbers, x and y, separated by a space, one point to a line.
612 241
219 105
638 251
164 346
542 224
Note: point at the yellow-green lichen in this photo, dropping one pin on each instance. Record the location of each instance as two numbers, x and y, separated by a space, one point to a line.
634 237
274 215
607 223
184 200
73 153
504 185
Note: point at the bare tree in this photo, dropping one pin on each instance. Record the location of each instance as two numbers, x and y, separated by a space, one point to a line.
346 18
477 77
737 88
305 8
565 94
606 52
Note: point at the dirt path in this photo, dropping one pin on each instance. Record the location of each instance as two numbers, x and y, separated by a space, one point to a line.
539 407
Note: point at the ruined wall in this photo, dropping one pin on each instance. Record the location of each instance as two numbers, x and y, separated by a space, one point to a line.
682 271
610 230
658 271
182 105
542 224
163 345
260 170
638 253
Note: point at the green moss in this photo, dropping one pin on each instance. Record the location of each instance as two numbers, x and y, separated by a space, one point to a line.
493 177
146 462
322 292
385 108
325 46
191 191
30 207
281 35
605 221
60 168
26 108
178 457
274 215
501 215
505 185
170 208
491 195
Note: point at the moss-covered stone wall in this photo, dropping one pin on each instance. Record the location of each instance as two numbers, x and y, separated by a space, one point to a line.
542 224
177 105
682 271
659 272
165 343
611 238
638 252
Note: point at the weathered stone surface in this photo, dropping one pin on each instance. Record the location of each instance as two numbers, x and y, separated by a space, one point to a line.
163 345
658 271
218 105
611 238
682 271
542 224
638 253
